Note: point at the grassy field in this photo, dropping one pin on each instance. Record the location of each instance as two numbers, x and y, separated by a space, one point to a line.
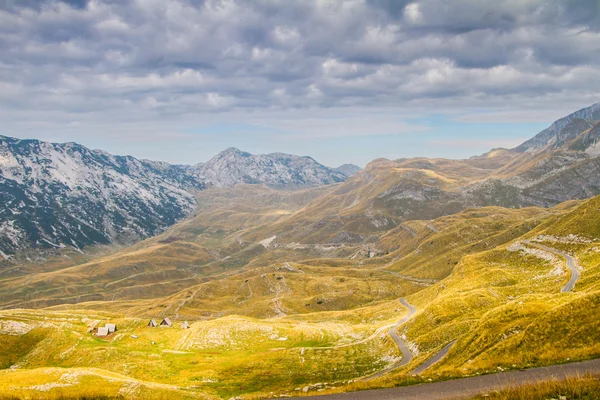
222 357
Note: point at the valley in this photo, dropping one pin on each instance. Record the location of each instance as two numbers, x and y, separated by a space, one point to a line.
405 272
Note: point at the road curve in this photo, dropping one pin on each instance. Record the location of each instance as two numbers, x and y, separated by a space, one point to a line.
437 357
411 311
469 387
571 263
406 353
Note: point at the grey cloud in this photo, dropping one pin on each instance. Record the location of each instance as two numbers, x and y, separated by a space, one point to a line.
180 57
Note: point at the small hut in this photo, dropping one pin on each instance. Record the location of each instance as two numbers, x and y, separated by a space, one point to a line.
185 325
166 322
152 323
102 331
112 328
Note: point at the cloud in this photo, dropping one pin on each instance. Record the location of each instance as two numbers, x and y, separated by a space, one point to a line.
180 62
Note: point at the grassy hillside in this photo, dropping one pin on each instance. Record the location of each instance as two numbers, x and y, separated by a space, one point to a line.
504 306
221 357
376 200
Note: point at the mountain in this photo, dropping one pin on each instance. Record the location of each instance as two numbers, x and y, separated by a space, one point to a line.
348 169
276 170
57 195
563 130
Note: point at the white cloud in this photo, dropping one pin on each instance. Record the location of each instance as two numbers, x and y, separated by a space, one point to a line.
413 13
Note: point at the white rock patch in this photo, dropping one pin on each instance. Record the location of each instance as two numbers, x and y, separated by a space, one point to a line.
14 328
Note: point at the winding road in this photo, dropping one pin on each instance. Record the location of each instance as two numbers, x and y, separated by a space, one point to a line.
571 263
406 353
469 387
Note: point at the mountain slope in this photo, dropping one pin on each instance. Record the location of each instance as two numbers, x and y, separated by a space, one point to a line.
562 130
58 195
588 141
505 306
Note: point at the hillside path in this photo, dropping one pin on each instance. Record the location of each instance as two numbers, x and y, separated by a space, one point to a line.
571 263
469 387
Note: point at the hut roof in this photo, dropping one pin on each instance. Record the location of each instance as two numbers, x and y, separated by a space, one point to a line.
102 331
166 322
185 325
152 323
112 328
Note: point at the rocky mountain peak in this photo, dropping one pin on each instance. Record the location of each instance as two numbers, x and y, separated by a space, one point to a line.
562 130
277 170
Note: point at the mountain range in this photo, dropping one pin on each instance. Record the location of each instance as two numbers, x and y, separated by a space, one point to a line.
58 195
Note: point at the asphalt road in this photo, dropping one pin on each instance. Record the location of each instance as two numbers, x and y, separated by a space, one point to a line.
571 263
406 353
433 359
469 387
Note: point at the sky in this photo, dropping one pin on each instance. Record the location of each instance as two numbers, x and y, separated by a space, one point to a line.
341 81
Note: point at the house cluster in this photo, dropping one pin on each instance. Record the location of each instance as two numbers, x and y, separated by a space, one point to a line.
106 330
112 328
166 323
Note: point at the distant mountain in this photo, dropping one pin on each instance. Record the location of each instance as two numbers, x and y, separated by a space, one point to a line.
58 195
348 169
563 131
276 170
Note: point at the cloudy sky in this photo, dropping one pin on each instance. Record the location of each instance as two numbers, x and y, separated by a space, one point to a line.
342 81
